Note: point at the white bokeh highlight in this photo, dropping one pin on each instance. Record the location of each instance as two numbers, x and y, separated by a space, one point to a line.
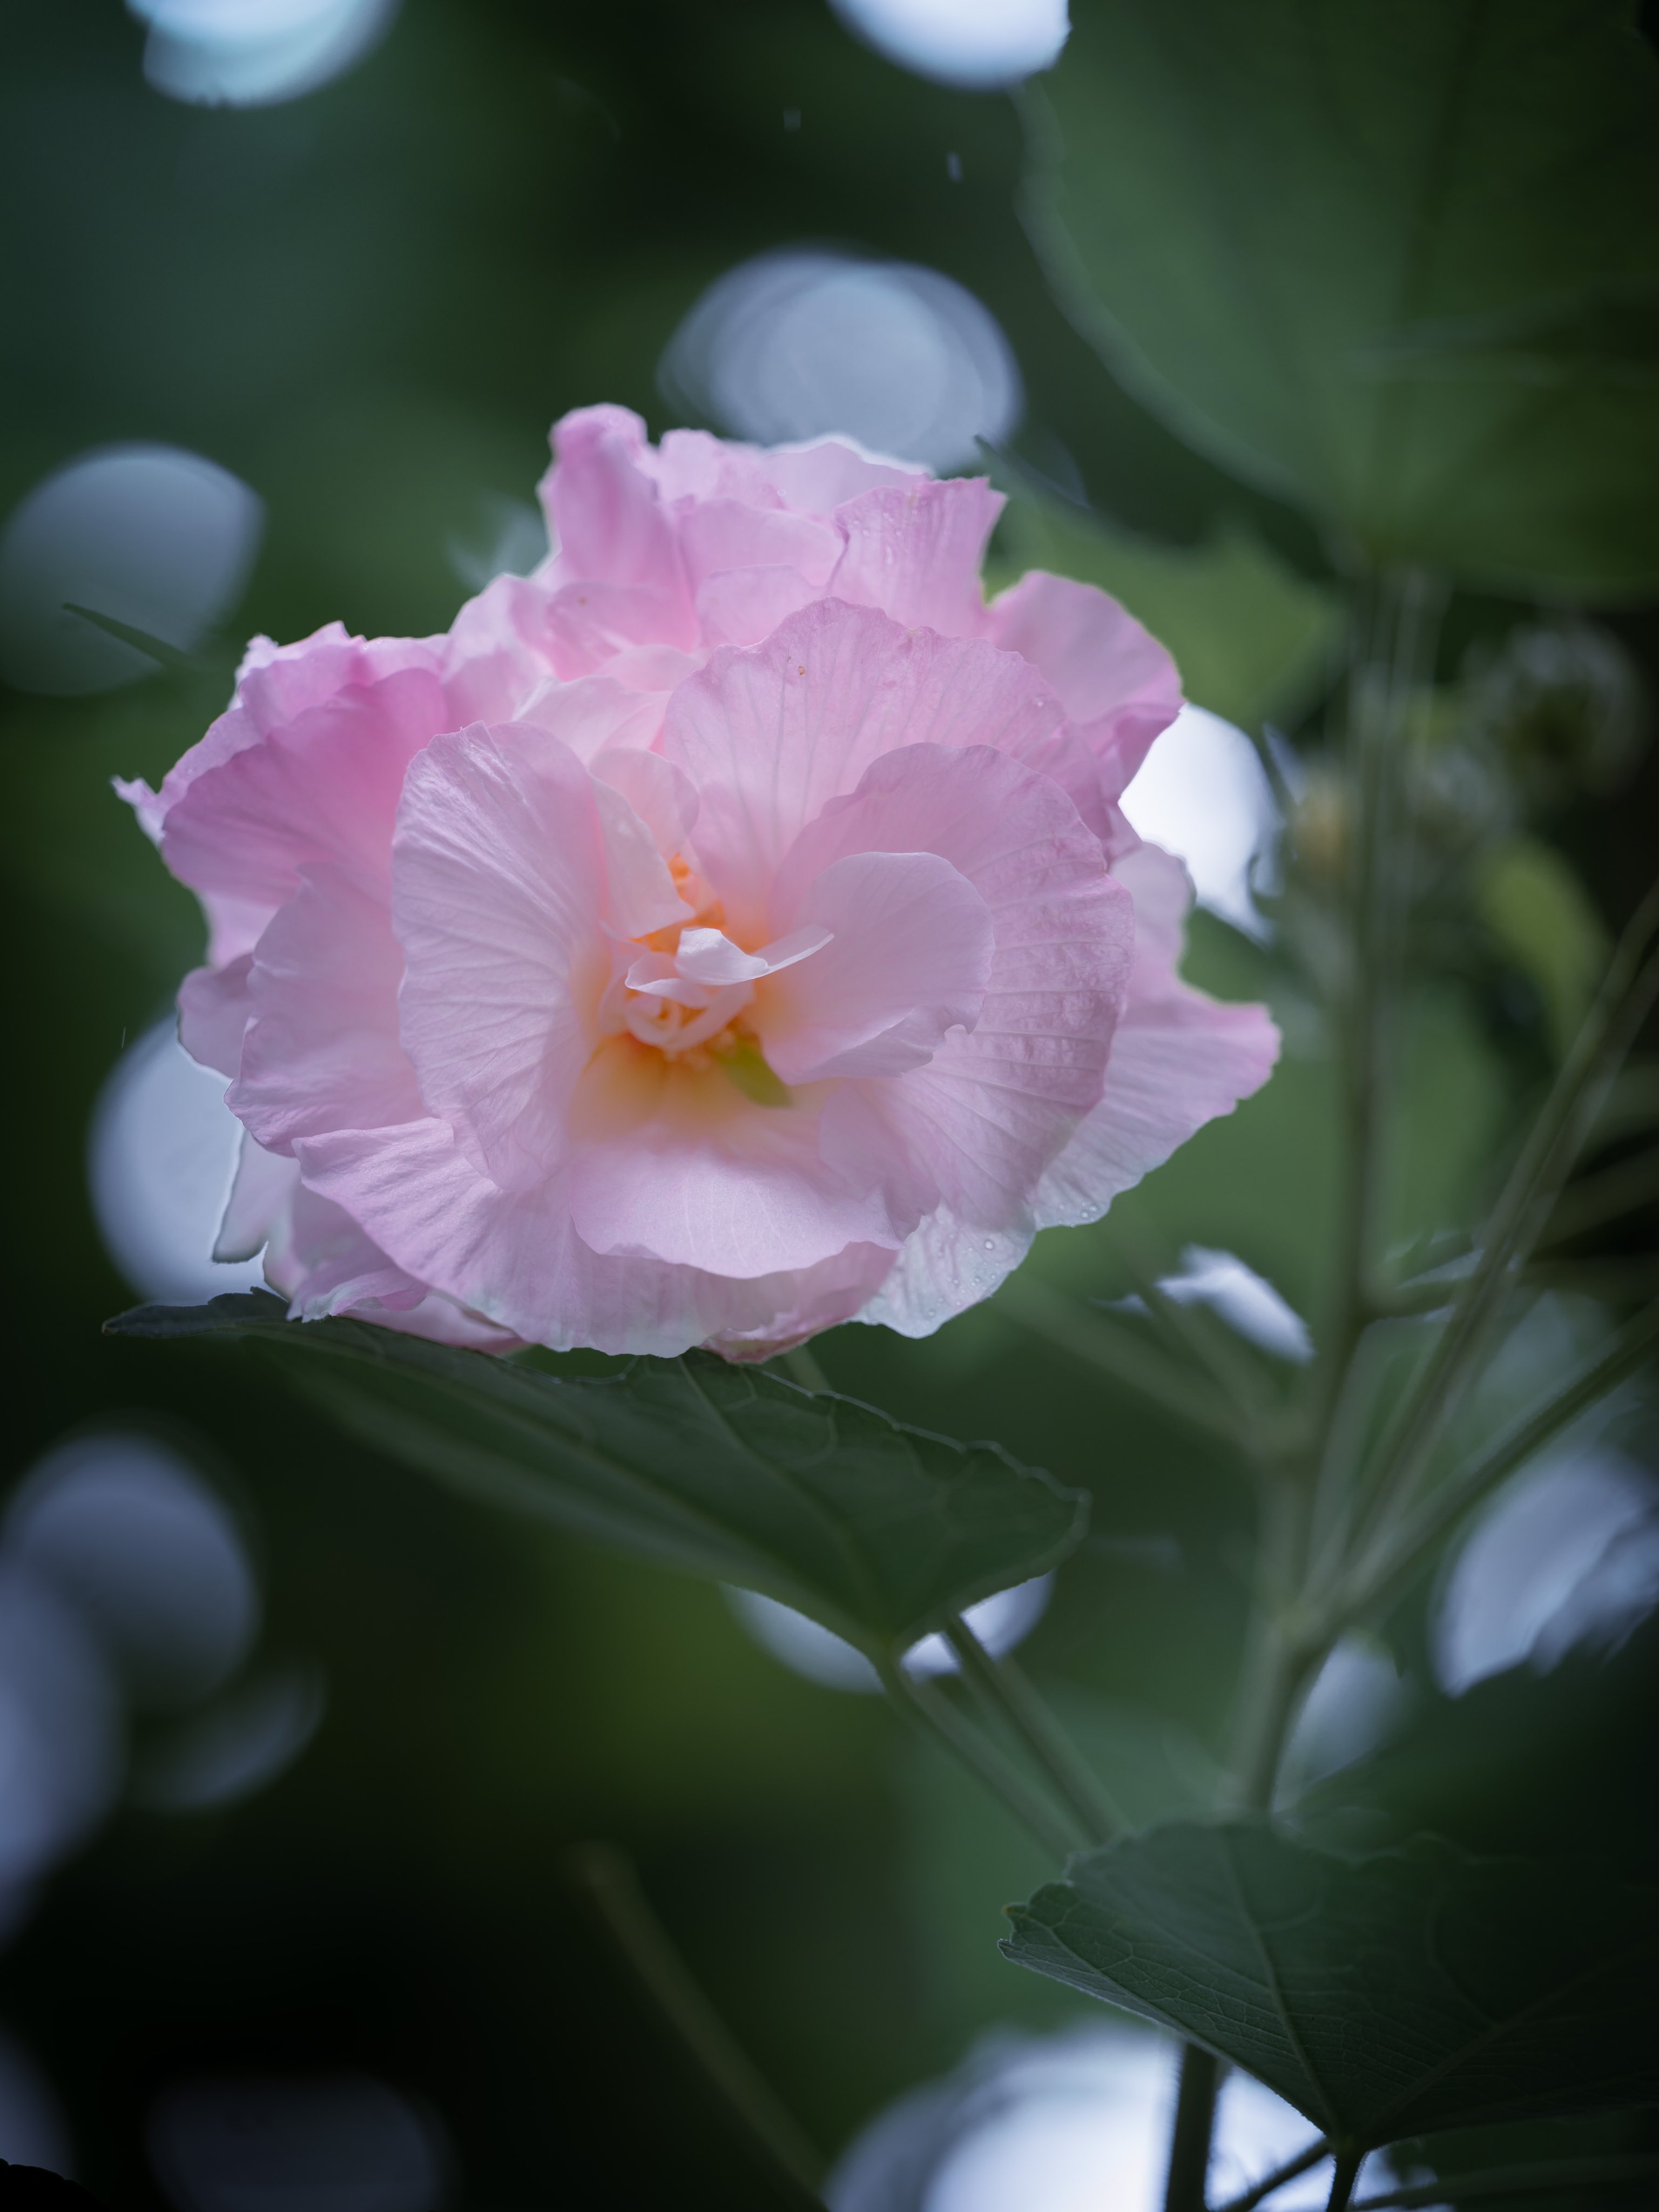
981 45
807 1649
33 2130
344 2143
1357 1703
1247 1302
243 1740
126 1531
1203 794
807 343
1072 2122
151 536
255 53
162 1152
1566 1554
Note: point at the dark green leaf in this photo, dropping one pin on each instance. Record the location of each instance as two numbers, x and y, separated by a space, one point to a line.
1394 259
1418 1988
879 1531
142 640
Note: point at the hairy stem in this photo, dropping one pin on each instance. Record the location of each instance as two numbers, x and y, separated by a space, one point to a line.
1008 1693
608 1880
936 1718
1249 2199
1194 2123
1626 996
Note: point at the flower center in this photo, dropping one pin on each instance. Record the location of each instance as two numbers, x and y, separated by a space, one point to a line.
684 992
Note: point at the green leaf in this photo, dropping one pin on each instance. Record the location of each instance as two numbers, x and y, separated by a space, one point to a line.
1418 1989
1251 639
142 640
1542 916
879 1532
1396 260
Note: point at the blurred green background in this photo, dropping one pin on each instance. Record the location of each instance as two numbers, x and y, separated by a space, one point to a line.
368 303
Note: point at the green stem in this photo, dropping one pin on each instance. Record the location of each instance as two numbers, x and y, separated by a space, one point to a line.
1098 1342
1626 996
1395 1556
1195 2124
1393 644
1006 1691
1269 2181
608 1880
1342 2181
936 1718
802 1368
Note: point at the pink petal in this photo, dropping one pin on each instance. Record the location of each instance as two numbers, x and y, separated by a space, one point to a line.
603 513
915 553
717 535
1179 1059
947 1266
322 1051
750 1196
1119 686
516 1258
991 1108
817 478
322 1264
744 605
770 735
274 685
262 1187
591 713
213 1009
588 624
322 787
640 896
499 886
660 793
909 955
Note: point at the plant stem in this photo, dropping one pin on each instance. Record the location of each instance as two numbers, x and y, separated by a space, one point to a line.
1194 2123
1007 1691
935 1716
1627 994
802 1368
1095 1339
1342 2181
608 1880
1269 2181
1392 648
1395 1556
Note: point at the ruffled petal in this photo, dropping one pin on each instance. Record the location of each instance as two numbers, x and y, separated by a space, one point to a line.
993 1107
605 515
910 957
770 735
322 1050
215 1006
499 895
260 1191
915 552
1118 684
322 787
516 1258
1179 1059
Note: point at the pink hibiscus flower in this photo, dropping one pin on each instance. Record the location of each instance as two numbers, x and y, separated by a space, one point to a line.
728 931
